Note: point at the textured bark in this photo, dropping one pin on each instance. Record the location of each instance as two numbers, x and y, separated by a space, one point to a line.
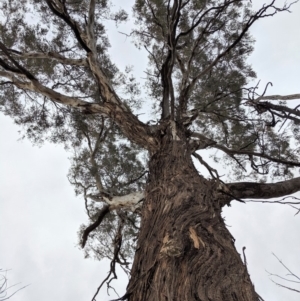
185 251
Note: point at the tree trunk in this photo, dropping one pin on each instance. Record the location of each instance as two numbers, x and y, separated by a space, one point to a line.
184 250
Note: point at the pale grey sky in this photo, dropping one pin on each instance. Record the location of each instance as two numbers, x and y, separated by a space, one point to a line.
40 215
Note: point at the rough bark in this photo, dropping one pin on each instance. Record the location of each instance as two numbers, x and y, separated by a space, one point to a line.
184 250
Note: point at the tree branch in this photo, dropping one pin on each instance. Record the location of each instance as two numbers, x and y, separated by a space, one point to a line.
18 69
117 251
131 126
205 142
245 190
113 203
90 26
261 13
49 55
93 226
63 14
279 97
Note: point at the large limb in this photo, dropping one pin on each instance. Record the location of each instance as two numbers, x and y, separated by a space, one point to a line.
119 112
247 190
111 107
87 40
132 128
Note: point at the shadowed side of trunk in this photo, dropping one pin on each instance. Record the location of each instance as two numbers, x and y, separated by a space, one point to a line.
185 251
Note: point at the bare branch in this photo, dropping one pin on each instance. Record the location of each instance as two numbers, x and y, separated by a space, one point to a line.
4 286
213 172
286 279
289 288
279 97
117 247
291 273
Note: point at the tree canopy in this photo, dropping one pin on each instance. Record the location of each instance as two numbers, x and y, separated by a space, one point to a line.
59 83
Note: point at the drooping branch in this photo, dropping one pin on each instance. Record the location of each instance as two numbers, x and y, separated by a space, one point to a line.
112 274
102 213
245 190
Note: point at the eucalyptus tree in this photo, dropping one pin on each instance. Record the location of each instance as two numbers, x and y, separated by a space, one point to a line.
143 194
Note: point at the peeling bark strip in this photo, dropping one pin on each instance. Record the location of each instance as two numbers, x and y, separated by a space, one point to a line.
129 201
195 238
126 201
184 250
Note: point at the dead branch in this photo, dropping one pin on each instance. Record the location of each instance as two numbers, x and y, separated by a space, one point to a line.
291 274
112 272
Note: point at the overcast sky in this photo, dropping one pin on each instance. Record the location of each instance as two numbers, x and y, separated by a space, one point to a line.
40 215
